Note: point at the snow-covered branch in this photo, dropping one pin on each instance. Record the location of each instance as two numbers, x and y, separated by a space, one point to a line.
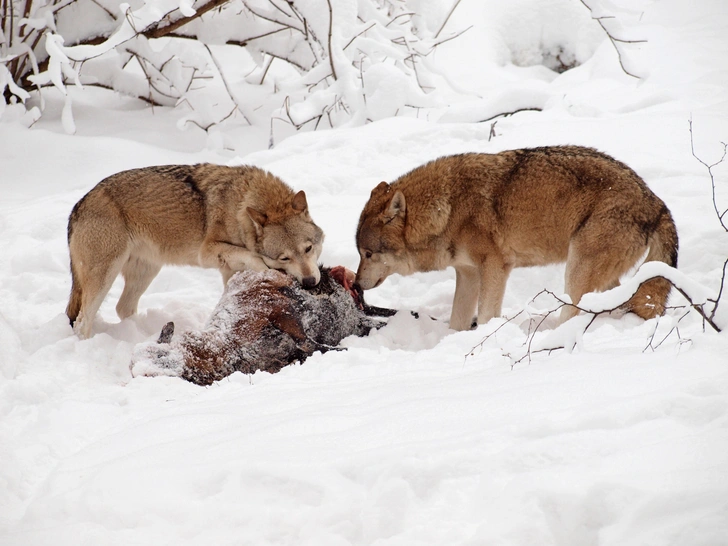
569 335
338 62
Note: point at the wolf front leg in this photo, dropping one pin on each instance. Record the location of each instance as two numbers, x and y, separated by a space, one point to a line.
467 282
493 277
229 258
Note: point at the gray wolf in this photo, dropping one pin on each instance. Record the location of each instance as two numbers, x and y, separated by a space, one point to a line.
228 218
484 214
264 321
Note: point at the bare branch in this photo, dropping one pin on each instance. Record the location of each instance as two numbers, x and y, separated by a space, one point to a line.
227 87
451 37
149 100
508 320
506 114
331 52
673 329
614 40
357 35
157 31
449 14
408 14
719 214
108 11
720 290
276 21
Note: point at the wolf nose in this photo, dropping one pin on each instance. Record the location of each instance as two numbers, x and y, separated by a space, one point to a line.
308 282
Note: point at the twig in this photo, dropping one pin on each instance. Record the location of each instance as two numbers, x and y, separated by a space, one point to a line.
614 40
451 37
720 215
698 307
673 329
157 31
150 101
8 14
359 34
506 114
265 70
408 14
457 2
331 25
508 320
227 87
720 291
108 11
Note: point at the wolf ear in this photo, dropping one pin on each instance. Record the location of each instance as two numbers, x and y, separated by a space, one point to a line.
382 187
397 205
259 219
299 202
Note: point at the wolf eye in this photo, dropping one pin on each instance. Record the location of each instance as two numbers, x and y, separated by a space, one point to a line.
284 259
368 254
309 248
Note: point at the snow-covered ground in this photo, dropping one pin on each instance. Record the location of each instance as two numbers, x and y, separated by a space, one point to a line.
416 434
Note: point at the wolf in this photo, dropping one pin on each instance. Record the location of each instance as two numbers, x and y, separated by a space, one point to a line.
213 216
484 214
263 321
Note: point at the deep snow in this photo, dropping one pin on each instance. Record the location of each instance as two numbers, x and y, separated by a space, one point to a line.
416 434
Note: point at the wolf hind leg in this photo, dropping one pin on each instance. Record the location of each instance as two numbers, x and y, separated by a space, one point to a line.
96 284
651 297
98 251
138 275
595 263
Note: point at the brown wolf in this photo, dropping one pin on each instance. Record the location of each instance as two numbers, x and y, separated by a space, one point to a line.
264 321
229 218
485 214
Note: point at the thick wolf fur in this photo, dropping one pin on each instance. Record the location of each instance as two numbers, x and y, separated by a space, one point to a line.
264 321
228 218
485 214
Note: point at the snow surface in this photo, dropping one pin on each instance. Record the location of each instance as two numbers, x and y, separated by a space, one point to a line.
416 434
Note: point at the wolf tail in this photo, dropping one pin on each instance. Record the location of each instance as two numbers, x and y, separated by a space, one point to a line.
651 297
74 302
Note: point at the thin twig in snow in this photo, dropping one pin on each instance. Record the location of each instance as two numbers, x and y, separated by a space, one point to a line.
455 5
506 114
331 25
720 215
359 34
227 87
614 40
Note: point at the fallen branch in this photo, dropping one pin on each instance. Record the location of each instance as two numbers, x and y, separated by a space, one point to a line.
592 312
506 114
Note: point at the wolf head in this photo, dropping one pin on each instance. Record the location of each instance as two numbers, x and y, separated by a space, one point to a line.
288 240
380 237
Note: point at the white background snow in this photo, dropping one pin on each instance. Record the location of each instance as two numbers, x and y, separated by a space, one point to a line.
406 438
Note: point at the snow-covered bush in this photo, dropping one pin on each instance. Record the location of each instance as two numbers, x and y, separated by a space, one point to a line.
312 62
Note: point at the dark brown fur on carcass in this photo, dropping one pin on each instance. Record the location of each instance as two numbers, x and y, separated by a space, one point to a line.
264 321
